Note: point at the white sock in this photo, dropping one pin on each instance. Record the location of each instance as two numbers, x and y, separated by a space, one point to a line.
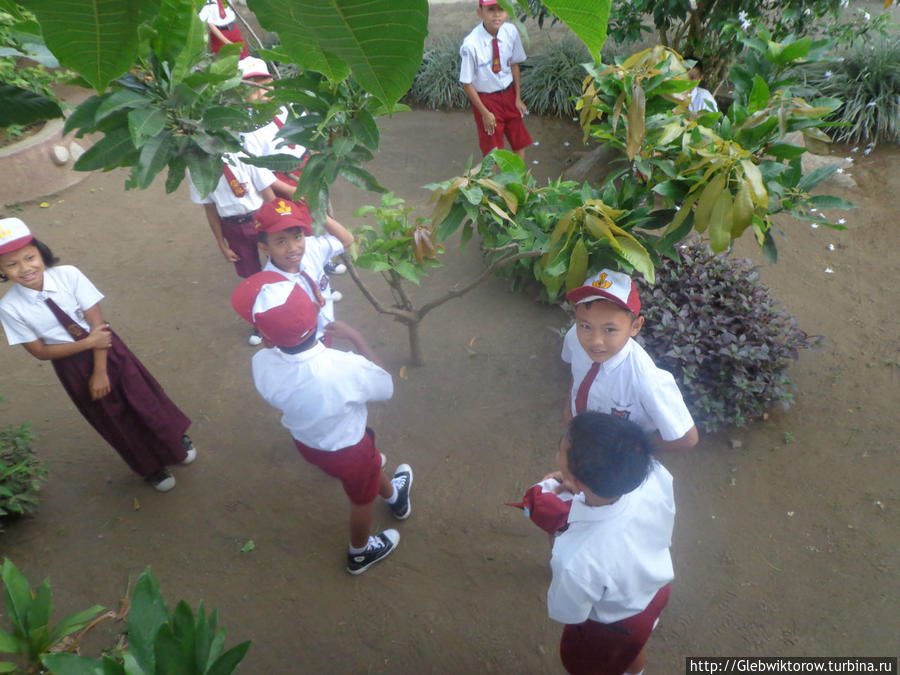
640 673
393 498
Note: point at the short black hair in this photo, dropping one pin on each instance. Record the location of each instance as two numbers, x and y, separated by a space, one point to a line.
302 347
588 303
609 454
46 255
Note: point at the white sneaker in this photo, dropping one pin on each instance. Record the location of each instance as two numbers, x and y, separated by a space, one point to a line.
191 450
255 340
336 296
340 268
379 547
162 480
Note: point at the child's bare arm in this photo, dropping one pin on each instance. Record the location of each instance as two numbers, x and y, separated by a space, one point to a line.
567 410
490 122
335 229
339 329
517 82
99 383
99 339
689 440
215 224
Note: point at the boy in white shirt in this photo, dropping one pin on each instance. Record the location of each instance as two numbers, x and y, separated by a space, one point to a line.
611 566
322 394
489 73
611 373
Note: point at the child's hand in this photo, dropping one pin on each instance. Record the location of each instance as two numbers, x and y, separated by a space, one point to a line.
230 255
99 385
339 329
564 485
490 122
521 107
99 337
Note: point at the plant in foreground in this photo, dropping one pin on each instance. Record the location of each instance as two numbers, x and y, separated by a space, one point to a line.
21 472
159 642
712 324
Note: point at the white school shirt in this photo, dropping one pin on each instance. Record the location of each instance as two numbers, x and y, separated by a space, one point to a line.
210 14
254 179
702 101
612 560
264 141
477 54
318 251
630 385
26 317
321 392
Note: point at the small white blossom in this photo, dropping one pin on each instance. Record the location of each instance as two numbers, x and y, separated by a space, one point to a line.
790 514
867 16
813 209
830 247
574 119
839 170
827 74
828 270
867 151
534 161
536 143
856 149
807 12
841 221
742 16
814 226
566 143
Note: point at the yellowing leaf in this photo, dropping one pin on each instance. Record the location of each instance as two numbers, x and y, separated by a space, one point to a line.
403 374
636 112
683 212
511 202
634 253
44 205
720 222
706 202
577 266
743 210
755 179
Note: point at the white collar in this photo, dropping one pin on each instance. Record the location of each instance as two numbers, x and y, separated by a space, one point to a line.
310 353
50 286
581 512
484 36
611 364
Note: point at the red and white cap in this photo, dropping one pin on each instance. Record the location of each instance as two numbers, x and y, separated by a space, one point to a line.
250 66
281 214
278 307
486 3
14 234
547 509
615 287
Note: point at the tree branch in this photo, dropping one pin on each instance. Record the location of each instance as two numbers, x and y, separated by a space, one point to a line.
457 291
399 314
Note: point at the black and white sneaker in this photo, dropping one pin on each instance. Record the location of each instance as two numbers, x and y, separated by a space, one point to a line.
188 445
402 480
335 268
162 480
378 548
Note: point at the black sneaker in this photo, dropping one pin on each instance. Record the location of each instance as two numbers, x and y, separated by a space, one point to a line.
162 480
402 480
379 547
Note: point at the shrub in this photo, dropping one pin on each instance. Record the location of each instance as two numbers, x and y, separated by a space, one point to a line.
552 79
21 473
714 326
867 80
436 85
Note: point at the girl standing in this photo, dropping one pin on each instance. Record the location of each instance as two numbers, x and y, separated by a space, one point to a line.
54 313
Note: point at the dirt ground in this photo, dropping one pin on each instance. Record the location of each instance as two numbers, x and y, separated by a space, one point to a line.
785 543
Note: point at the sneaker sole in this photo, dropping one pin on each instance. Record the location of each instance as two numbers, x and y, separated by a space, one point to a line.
408 498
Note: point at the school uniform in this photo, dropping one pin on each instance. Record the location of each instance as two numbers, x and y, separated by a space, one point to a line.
265 141
702 101
322 394
312 277
136 418
225 20
611 572
629 385
236 199
495 89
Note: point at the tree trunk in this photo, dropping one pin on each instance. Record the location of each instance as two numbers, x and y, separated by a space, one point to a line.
415 345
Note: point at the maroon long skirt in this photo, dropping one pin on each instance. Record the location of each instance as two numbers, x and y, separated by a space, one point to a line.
136 417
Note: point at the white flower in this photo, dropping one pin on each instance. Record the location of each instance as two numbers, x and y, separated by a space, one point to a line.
830 247
813 209
845 3
814 226
742 16
807 12
867 16
828 270
566 143
839 170
827 74
856 149
841 221
534 161
790 514
867 151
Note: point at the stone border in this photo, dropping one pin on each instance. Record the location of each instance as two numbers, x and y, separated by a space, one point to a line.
40 165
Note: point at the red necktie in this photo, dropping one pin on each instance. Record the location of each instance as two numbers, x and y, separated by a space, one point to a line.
221 9
314 287
581 397
66 321
495 60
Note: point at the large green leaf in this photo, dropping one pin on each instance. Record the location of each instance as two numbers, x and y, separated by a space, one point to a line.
381 41
148 613
16 595
97 39
180 36
586 18
71 664
21 106
106 153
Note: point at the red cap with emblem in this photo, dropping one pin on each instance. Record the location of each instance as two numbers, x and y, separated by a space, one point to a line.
615 287
282 214
278 307
14 234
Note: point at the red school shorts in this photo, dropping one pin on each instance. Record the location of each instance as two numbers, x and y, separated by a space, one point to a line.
358 467
594 648
509 121
241 237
